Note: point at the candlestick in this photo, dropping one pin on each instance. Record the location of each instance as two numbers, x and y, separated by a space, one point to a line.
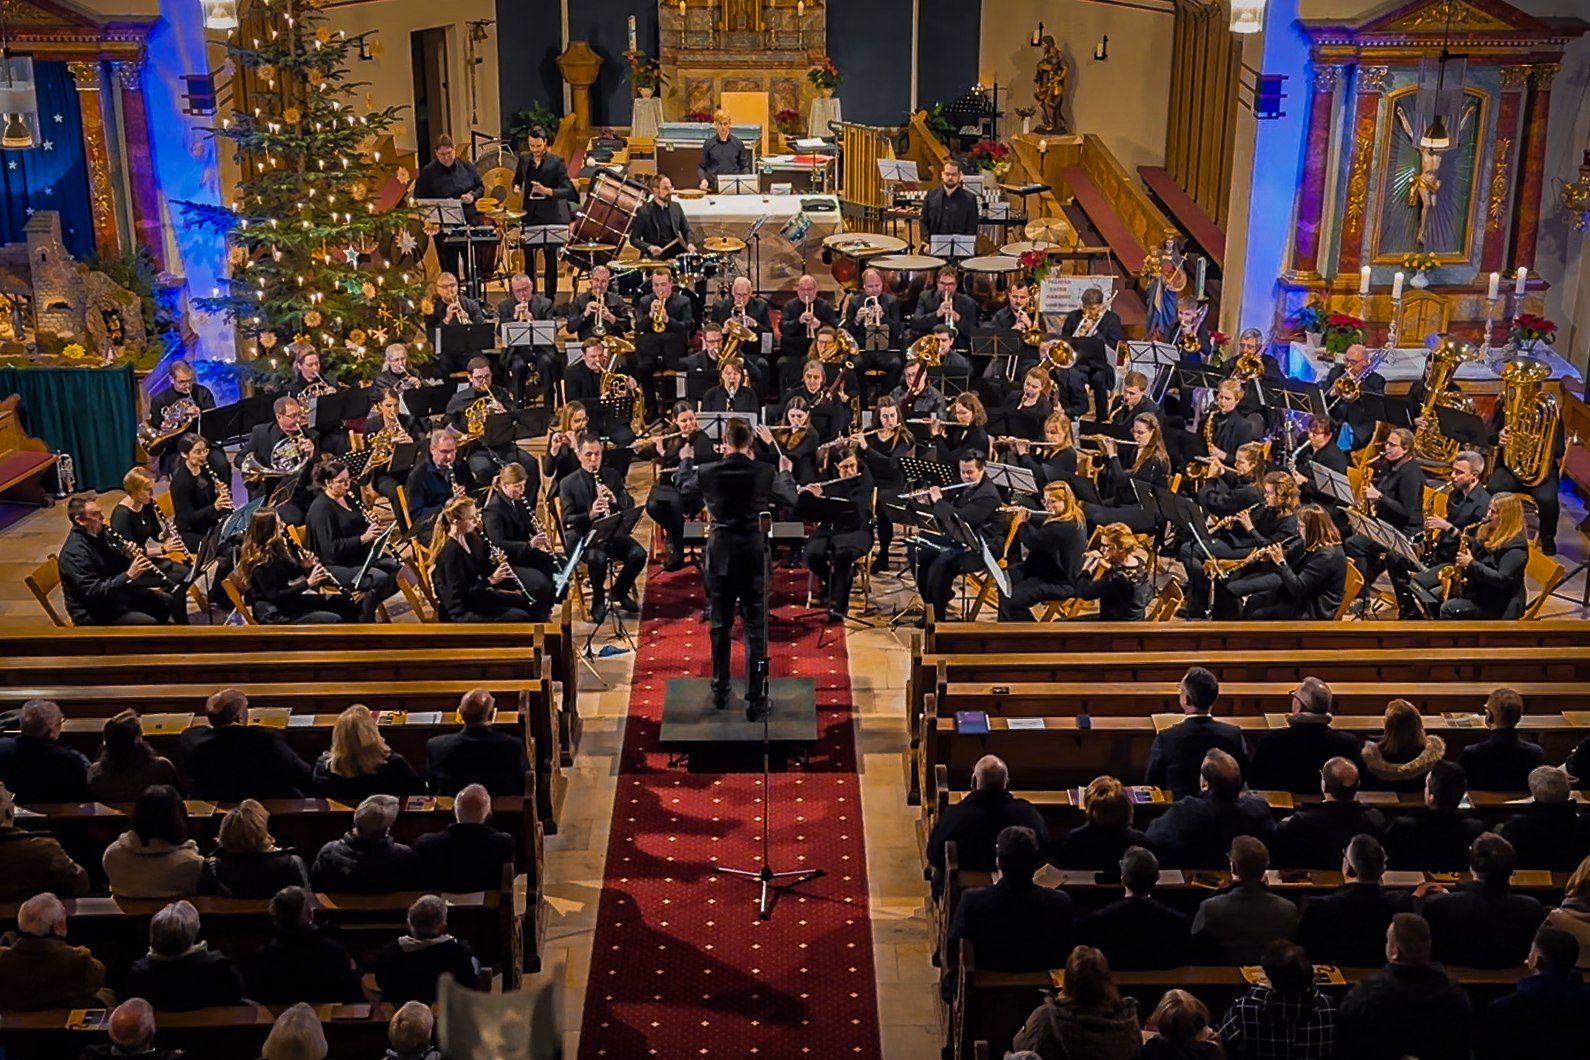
1363 280
1495 288
1203 269
1490 315
800 8
632 38
1521 276
1396 287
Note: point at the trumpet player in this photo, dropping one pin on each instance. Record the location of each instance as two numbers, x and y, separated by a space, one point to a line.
599 311
974 505
1250 345
281 585
99 581
1395 496
508 522
345 540
483 461
874 320
1052 547
676 495
435 479
803 315
1418 587
1355 427
523 305
746 309
201 499
473 580
592 493
1491 560
833 548
184 388
448 308
664 322
945 306
285 432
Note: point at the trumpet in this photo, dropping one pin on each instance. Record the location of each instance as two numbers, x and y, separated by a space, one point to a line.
659 316
810 318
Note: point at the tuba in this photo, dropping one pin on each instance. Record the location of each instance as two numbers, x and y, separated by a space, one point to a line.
1532 417
736 335
1428 441
844 349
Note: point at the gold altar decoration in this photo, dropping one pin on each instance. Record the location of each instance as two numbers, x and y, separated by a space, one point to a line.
740 46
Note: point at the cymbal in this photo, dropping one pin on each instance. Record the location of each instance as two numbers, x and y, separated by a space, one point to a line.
690 193
487 204
1049 230
723 245
589 248
650 263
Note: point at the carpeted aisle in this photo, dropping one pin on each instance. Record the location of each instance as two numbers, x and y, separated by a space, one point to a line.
680 965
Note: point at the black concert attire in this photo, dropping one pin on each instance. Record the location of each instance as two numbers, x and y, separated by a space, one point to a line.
656 225
429 488
736 491
546 360
1120 503
831 552
278 594
551 172
1360 427
1195 348
436 181
202 397
1401 506
334 533
1232 430
1329 456
953 213
509 525
582 384
1015 420
666 348
464 592
262 441
881 459
1309 587
760 315
722 156
1053 551
880 344
97 591
1418 588
928 403
956 440
193 507
1110 332
801 447
333 439
1504 480
927 318
141 528
1060 465
382 479
1123 593
1270 527
998 373
1249 403
1220 497
447 364
676 495
1493 585
587 324
936 571
795 344
1122 414
483 462
576 494
386 379
830 415
720 400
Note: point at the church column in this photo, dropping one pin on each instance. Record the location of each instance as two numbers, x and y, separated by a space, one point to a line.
101 202
1371 82
1311 203
1498 190
140 161
1532 163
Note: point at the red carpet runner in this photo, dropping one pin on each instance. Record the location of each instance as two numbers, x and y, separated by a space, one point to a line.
680 966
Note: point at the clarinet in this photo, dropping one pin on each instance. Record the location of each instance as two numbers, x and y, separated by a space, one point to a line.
499 556
132 551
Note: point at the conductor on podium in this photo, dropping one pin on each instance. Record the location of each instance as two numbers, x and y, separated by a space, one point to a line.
736 491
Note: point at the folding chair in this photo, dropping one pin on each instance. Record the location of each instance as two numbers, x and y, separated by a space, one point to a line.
233 586
1546 573
45 579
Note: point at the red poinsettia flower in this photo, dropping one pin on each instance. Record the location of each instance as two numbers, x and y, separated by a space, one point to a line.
1342 320
1219 338
1030 259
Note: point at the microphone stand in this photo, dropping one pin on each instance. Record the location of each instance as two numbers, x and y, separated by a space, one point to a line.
757 672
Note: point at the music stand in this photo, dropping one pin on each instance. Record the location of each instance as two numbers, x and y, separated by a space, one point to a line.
738 184
1012 478
1083 488
608 412
603 530
1384 536
461 341
1292 396
504 429
995 343
1462 426
333 410
1382 408
952 247
545 235
903 514
236 421
1160 355
930 472
1332 484
445 214
841 514
753 235
713 423
513 333
424 402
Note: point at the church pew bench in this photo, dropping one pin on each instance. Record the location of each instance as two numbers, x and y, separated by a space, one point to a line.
223 668
227 1033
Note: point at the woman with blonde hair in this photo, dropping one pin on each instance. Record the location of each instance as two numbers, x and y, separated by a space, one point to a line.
136 517
1310 576
1399 760
1106 831
1491 561
1116 575
1053 550
360 764
563 440
1054 458
246 862
1089 1020
472 584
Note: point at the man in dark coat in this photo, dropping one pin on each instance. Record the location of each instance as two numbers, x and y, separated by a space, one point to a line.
1315 836
1436 838
36 766
301 962
40 969
367 860
180 973
1409 1008
1015 925
1196 832
975 823
467 855
100 584
1547 1017
1178 753
1289 759
1501 761
447 176
32 862
1139 932
549 195
1552 833
408 969
477 753
1348 928
230 760
1484 924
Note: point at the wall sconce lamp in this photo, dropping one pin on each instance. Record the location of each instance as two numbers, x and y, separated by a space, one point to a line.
1036 40
1101 50
1247 16
1575 197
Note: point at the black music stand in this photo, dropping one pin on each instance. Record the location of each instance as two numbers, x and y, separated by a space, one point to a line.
461 341
334 410
235 421
903 514
995 343
1382 408
426 402
603 530
609 413
504 429
1462 426
929 472
1012 479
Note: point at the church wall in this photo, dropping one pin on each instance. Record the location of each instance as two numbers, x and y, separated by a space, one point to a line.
871 44
1124 101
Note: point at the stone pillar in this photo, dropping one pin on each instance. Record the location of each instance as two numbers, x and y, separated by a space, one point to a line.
1361 154
147 226
1498 190
95 151
1311 201
1532 163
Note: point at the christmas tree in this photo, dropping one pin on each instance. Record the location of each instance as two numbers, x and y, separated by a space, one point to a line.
312 257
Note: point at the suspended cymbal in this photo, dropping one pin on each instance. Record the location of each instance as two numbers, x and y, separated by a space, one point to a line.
1049 229
498 182
723 245
589 248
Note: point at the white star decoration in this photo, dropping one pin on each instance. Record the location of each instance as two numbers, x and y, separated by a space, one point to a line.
350 253
48 145
11 164
406 242
29 211
49 191
60 118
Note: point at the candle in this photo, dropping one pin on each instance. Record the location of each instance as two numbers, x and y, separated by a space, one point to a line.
800 8
1363 280
1203 266
632 38
1043 147
1396 287
1522 275
1496 286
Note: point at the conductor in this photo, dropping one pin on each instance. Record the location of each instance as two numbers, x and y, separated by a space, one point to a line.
736 491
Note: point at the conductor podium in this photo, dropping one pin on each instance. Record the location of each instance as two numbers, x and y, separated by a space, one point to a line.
720 740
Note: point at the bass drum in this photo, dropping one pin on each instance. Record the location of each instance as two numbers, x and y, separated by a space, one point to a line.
906 275
988 280
849 254
605 219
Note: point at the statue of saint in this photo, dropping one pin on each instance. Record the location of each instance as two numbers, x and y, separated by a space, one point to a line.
1165 277
1050 90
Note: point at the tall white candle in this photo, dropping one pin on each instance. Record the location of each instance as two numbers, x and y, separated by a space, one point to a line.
1521 276
1496 286
1396 287
632 37
1363 280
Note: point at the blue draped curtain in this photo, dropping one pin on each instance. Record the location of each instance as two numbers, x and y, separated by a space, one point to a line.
54 174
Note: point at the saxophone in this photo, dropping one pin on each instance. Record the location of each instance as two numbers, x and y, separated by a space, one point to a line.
1532 418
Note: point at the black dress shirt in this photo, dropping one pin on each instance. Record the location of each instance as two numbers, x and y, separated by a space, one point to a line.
658 225
953 214
722 156
552 172
437 181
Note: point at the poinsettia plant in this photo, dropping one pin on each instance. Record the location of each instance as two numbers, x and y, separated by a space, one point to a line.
825 75
1035 263
1529 329
1310 317
787 122
1342 331
990 155
699 117
1219 340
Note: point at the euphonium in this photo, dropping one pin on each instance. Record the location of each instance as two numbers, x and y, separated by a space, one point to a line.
735 335
844 348
1060 355
926 350
1428 441
1532 416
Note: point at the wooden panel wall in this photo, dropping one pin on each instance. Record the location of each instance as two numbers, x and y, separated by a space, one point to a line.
1206 73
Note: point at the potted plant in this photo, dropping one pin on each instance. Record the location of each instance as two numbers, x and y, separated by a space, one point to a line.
788 122
825 77
1529 329
1310 318
699 117
646 75
1219 340
1035 264
1417 264
1342 331
990 156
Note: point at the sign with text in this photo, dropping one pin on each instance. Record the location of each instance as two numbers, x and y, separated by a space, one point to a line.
1061 294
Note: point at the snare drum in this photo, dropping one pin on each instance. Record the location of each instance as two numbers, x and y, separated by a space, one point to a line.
988 279
691 269
906 276
608 212
849 254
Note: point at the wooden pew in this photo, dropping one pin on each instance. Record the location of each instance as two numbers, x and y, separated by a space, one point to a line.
220 669
228 1033
24 460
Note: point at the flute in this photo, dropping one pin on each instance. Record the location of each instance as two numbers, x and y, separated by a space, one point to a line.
942 489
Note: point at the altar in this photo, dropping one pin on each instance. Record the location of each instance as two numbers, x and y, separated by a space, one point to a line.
1406 365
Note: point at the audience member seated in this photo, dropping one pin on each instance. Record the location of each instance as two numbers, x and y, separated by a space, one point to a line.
407 970
40 970
247 863
477 753
467 855
131 1030
1404 755
180 973
1286 1019
1348 928
36 766
1573 915
301 962
1015 925
1182 1030
1547 1017
296 1035
1177 754
360 763
974 823
1196 832
1436 838
1551 833
1411 1007
367 860
31 861
127 766
1234 926
1106 832
1088 1020
155 858
1289 759
230 760
1484 924
409 1033
1501 761
1315 836
1138 932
